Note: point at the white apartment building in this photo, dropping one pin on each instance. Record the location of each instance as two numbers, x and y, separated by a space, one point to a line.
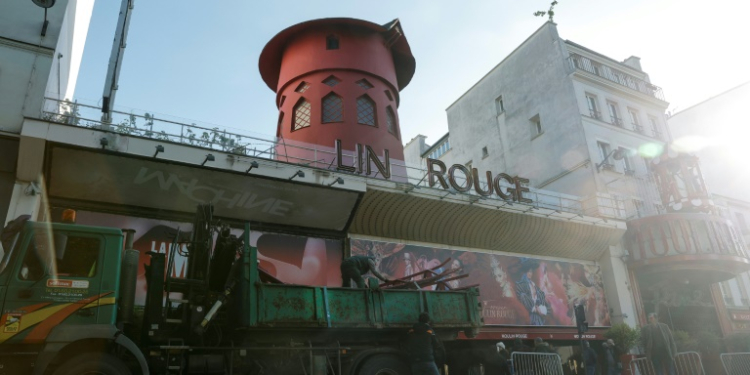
576 122
35 62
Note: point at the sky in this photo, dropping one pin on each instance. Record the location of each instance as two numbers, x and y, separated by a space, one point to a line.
198 60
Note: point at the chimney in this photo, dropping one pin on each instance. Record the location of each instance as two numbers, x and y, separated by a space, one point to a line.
633 62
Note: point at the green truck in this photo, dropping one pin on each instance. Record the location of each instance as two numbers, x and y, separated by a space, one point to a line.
67 294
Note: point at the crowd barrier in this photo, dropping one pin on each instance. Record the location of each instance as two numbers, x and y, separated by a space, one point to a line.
686 363
536 364
736 363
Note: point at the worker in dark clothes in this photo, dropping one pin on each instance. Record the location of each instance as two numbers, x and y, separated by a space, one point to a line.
423 348
542 347
354 267
589 359
518 346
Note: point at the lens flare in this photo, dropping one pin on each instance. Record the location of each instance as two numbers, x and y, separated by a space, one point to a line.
650 150
692 143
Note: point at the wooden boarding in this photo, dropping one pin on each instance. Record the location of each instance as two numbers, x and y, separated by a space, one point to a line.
429 278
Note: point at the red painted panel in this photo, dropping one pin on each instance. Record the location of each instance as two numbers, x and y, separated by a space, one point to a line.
300 54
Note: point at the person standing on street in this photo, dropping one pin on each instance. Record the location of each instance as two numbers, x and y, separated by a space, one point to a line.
541 347
423 348
611 355
659 344
589 359
354 267
518 346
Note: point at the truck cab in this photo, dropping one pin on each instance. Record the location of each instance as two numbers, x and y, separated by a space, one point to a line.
59 289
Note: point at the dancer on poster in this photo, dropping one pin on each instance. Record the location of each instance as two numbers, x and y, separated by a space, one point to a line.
530 295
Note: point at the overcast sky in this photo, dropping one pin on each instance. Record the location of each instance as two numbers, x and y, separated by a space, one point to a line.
198 60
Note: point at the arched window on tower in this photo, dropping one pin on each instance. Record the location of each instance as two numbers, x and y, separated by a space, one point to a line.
391 119
333 108
301 115
332 42
366 111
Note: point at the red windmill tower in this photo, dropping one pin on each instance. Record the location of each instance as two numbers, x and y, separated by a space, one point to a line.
338 79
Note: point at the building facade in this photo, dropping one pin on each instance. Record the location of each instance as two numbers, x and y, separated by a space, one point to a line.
576 122
38 62
532 192
710 131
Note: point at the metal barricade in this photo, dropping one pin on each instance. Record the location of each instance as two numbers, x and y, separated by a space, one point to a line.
685 363
689 363
641 366
736 363
536 364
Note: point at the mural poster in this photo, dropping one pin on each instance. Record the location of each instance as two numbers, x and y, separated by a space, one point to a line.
514 290
291 259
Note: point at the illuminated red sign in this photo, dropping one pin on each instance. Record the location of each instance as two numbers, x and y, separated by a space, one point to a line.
742 316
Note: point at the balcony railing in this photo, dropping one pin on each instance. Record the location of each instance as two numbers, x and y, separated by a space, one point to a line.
595 114
613 75
616 121
241 143
657 134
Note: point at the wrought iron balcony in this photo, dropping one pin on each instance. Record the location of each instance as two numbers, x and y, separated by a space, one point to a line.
613 75
595 114
616 121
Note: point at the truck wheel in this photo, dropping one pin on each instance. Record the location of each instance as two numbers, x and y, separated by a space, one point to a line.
93 364
384 364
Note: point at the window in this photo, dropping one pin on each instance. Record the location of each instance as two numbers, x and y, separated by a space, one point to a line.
627 163
71 256
302 87
635 120
604 150
499 105
639 208
536 126
390 117
332 42
593 106
301 115
366 111
614 114
655 127
281 102
485 153
388 94
281 119
741 222
333 108
363 83
331 81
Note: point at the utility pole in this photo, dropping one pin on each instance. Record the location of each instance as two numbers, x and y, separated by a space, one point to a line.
583 326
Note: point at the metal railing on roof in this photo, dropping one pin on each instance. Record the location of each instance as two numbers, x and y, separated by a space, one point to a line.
239 142
613 75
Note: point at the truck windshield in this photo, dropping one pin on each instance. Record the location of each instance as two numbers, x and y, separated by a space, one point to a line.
64 255
6 249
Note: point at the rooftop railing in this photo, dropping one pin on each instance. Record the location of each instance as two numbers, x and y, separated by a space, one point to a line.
244 143
613 75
